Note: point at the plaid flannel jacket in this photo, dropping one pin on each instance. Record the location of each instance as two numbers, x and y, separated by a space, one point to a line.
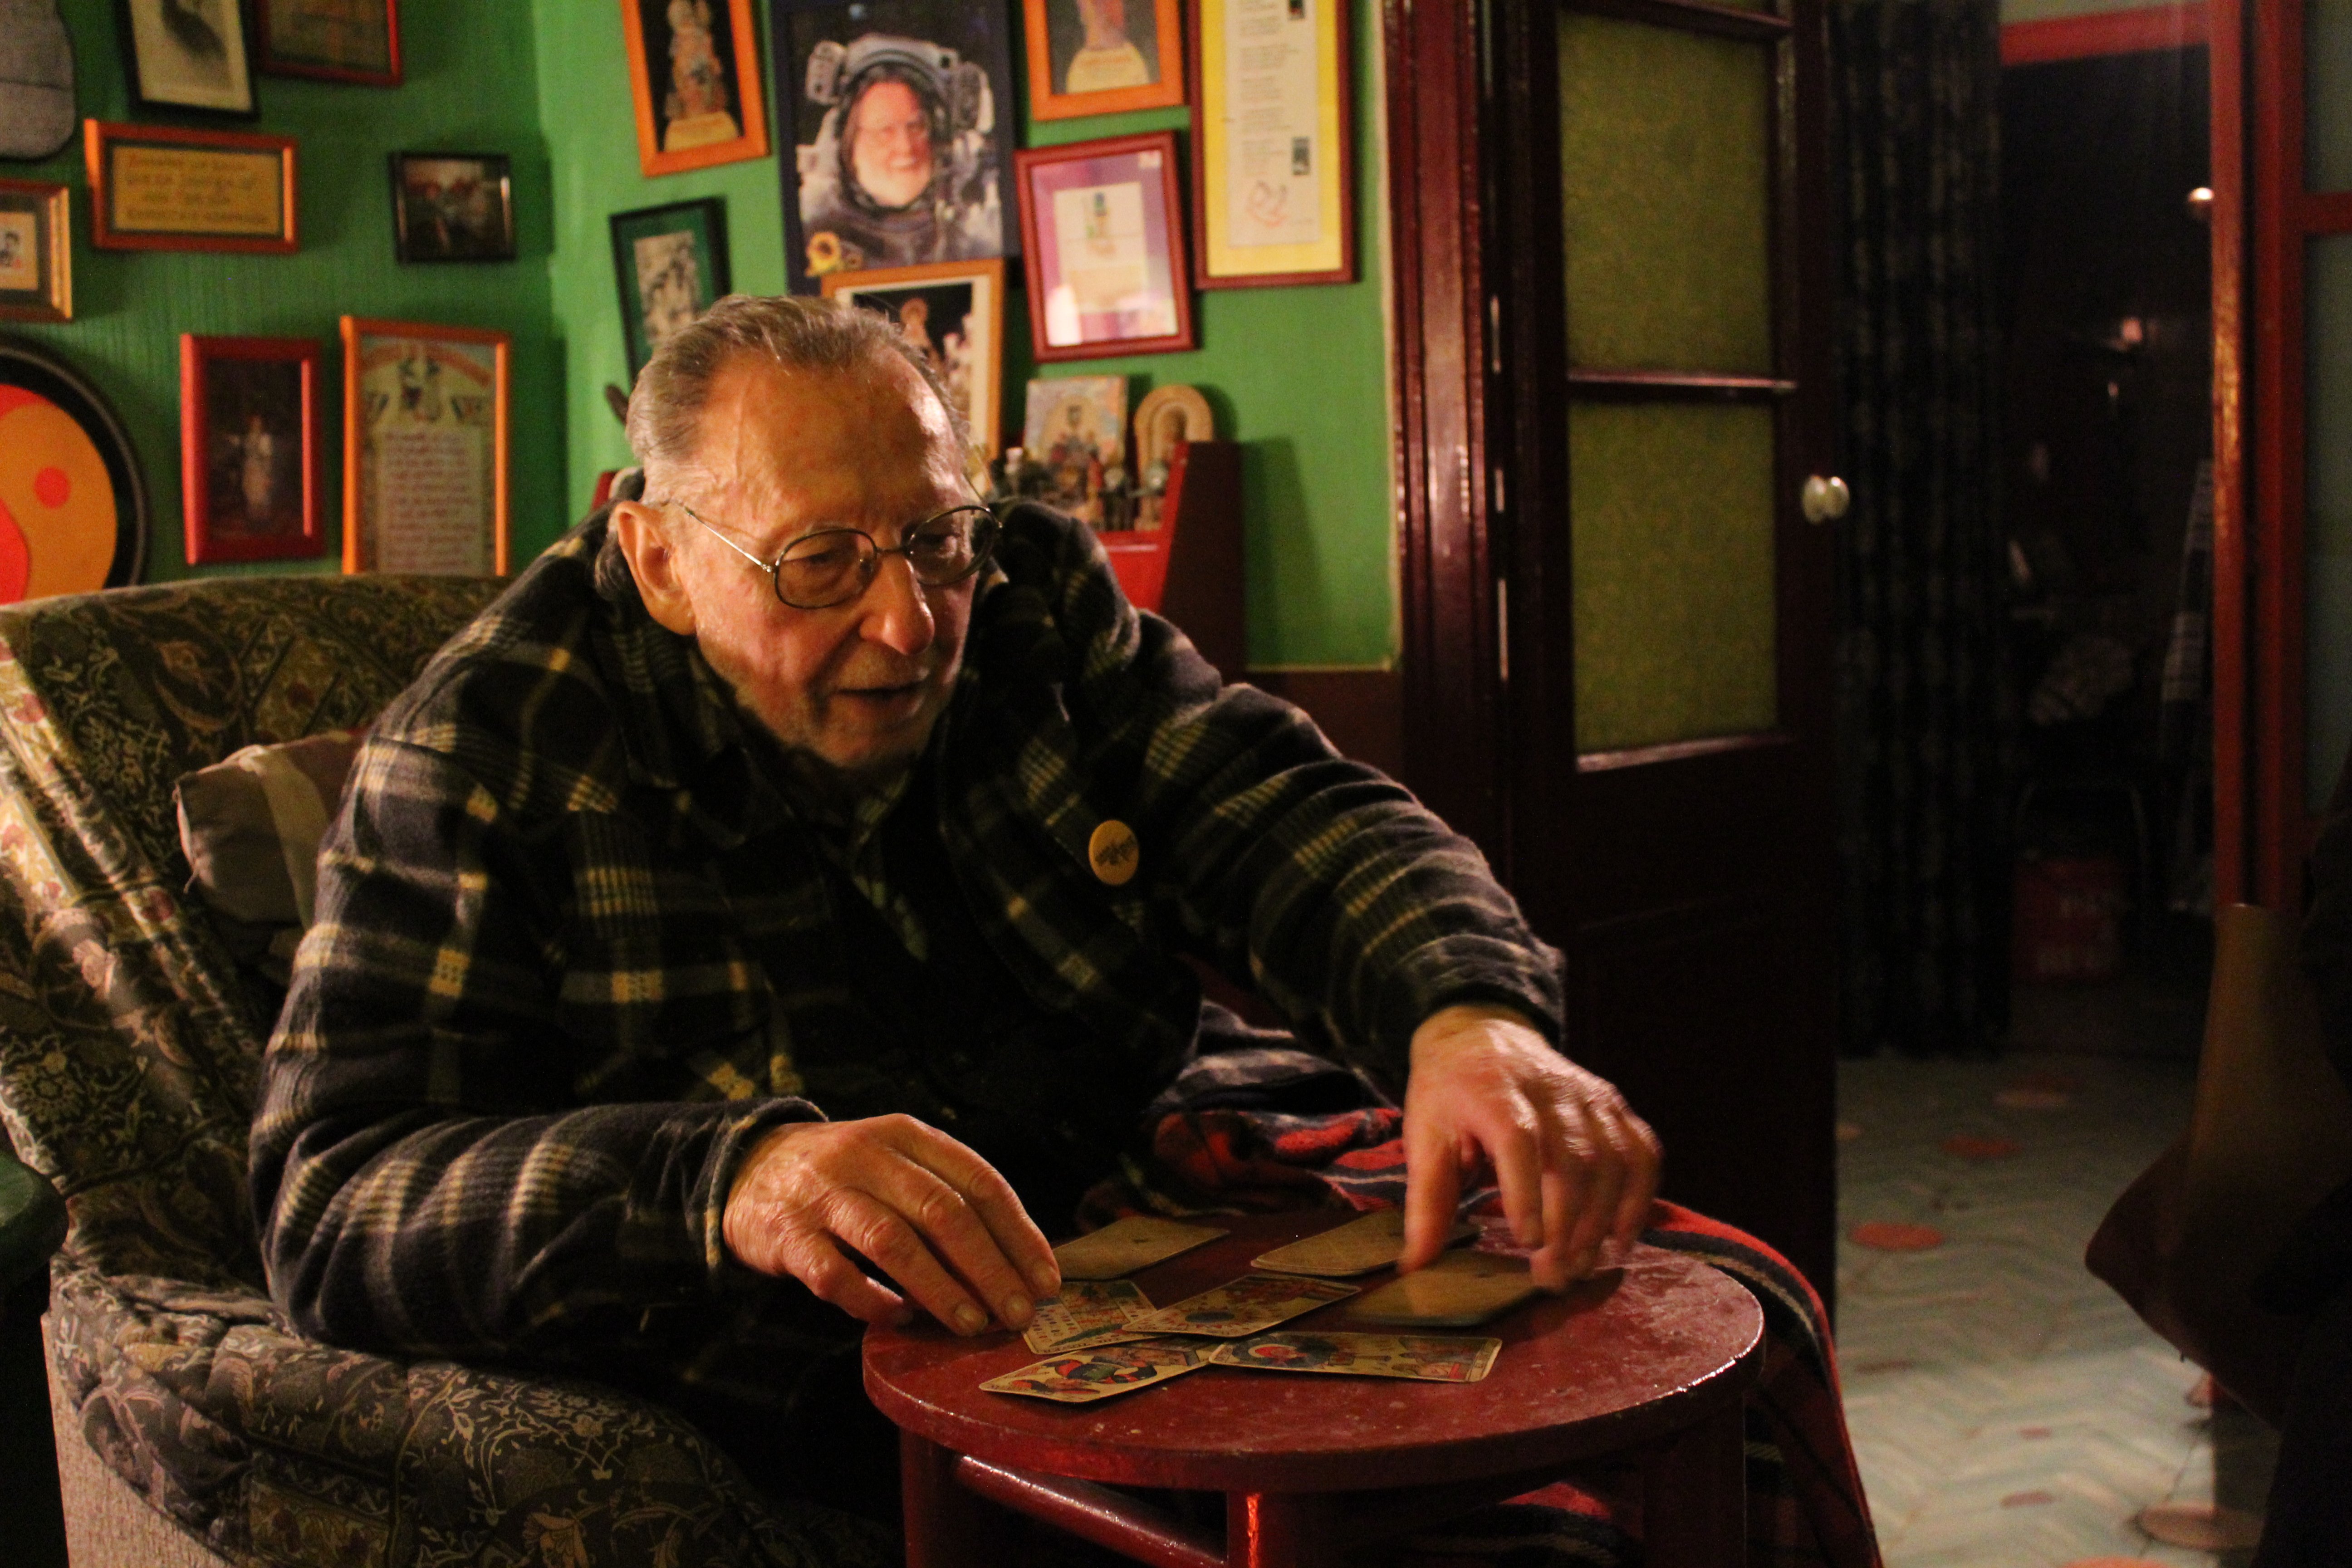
572 953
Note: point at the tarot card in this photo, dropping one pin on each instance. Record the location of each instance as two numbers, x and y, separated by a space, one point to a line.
1088 1312
1427 1358
1249 1305
1085 1376
1457 1291
1124 1246
1369 1241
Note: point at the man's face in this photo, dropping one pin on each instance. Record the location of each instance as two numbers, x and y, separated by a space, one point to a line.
890 143
784 453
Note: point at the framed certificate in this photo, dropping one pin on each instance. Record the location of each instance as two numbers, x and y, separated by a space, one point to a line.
425 448
1274 188
1101 230
154 188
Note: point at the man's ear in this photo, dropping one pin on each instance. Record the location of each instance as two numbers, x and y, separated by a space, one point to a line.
652 556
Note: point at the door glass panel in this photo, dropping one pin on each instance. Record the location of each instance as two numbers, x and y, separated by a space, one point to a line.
2328 511
1672 565
1665 178
2328 94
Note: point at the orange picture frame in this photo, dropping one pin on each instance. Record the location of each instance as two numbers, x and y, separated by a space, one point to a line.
162 188
426 415
1057 34
682 129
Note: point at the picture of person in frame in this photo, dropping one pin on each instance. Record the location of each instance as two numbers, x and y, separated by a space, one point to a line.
900 149
253 473
1094 49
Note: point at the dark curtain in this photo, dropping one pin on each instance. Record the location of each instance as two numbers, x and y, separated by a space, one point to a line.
1923 776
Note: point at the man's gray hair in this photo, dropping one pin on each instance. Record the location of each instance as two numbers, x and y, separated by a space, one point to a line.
798 334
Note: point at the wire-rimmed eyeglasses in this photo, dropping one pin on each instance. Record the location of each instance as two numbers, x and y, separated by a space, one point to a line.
834 565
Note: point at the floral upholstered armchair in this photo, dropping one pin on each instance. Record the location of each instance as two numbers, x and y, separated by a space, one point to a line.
129 1042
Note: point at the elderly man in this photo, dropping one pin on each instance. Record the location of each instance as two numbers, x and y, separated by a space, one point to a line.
780 898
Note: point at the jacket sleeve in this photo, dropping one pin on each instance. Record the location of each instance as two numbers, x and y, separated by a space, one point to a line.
426 1174
1316 881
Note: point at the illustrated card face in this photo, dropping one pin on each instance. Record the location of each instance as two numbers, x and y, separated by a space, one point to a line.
1424 1357
1249 1305
1124 1246
1085 1376
1369 1241
1457 1291
1088 1312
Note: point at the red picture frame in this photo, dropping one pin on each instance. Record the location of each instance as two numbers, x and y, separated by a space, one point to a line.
249 449
272 57
1141 238
236 213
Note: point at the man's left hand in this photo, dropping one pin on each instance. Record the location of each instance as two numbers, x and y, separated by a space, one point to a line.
1576 1166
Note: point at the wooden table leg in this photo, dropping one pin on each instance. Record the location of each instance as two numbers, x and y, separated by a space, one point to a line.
1278 1529
1694 1497
947 1527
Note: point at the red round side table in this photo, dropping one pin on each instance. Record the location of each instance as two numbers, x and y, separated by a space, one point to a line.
1646 1366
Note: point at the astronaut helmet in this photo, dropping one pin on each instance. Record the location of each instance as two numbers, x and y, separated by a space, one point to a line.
950 94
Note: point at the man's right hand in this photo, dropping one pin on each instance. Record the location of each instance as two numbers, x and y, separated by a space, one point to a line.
928 1210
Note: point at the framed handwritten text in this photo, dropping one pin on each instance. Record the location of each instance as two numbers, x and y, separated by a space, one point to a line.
1273 172
154 188
425 448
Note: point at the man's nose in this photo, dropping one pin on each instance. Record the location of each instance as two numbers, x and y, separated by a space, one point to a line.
896 615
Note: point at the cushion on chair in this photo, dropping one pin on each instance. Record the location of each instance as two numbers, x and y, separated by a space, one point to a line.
250 827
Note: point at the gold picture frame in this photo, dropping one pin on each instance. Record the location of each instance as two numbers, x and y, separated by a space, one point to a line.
159 187
426 447
36 251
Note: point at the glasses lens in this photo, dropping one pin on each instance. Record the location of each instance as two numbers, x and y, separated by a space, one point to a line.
821 569
947 547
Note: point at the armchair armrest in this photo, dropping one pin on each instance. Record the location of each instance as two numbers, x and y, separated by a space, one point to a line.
32 1222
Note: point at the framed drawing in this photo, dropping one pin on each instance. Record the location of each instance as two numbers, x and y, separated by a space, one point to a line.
187 53
331 40
1075 429
953 313
1274 188
902 128
671 265
425 448
452 206
73 507
1103 56
155 188
249 449
35 252
694 71
1102 226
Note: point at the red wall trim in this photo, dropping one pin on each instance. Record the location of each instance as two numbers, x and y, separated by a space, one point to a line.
2106 33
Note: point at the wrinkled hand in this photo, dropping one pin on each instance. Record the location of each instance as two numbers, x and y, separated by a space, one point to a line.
1577 1168
928 1210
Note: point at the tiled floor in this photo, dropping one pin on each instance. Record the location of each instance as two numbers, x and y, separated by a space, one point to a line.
2009 1410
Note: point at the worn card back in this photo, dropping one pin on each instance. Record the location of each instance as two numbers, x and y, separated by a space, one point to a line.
1457 1291
1249 1305
1369 1241
1124 1246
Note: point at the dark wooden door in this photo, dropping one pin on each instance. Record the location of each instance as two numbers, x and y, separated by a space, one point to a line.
1615 332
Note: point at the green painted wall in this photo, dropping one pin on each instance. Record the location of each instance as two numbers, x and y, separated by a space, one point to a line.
1299 375
470 86
2052 10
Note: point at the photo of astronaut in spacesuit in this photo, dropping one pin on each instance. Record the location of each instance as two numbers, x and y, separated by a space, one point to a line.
900 148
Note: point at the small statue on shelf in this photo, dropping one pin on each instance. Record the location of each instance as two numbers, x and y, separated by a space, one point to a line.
1167 416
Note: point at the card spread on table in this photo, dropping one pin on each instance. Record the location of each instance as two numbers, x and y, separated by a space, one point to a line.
1426 1357
1457 1291
1088 1312
1085 1375
1369 1241
1249 1305
1124 1246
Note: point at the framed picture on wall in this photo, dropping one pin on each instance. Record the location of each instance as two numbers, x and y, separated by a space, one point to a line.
35 252
424 448
694 73
902 124
188 54
1075 429
671 265
452 206
154 188
1274 187
1103 226
249 449
1103 56
954 315
331 40
68 478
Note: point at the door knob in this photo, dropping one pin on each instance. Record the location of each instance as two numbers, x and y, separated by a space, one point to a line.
1825 499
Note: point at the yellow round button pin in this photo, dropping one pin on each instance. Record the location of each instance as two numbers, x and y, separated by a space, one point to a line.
1113 853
